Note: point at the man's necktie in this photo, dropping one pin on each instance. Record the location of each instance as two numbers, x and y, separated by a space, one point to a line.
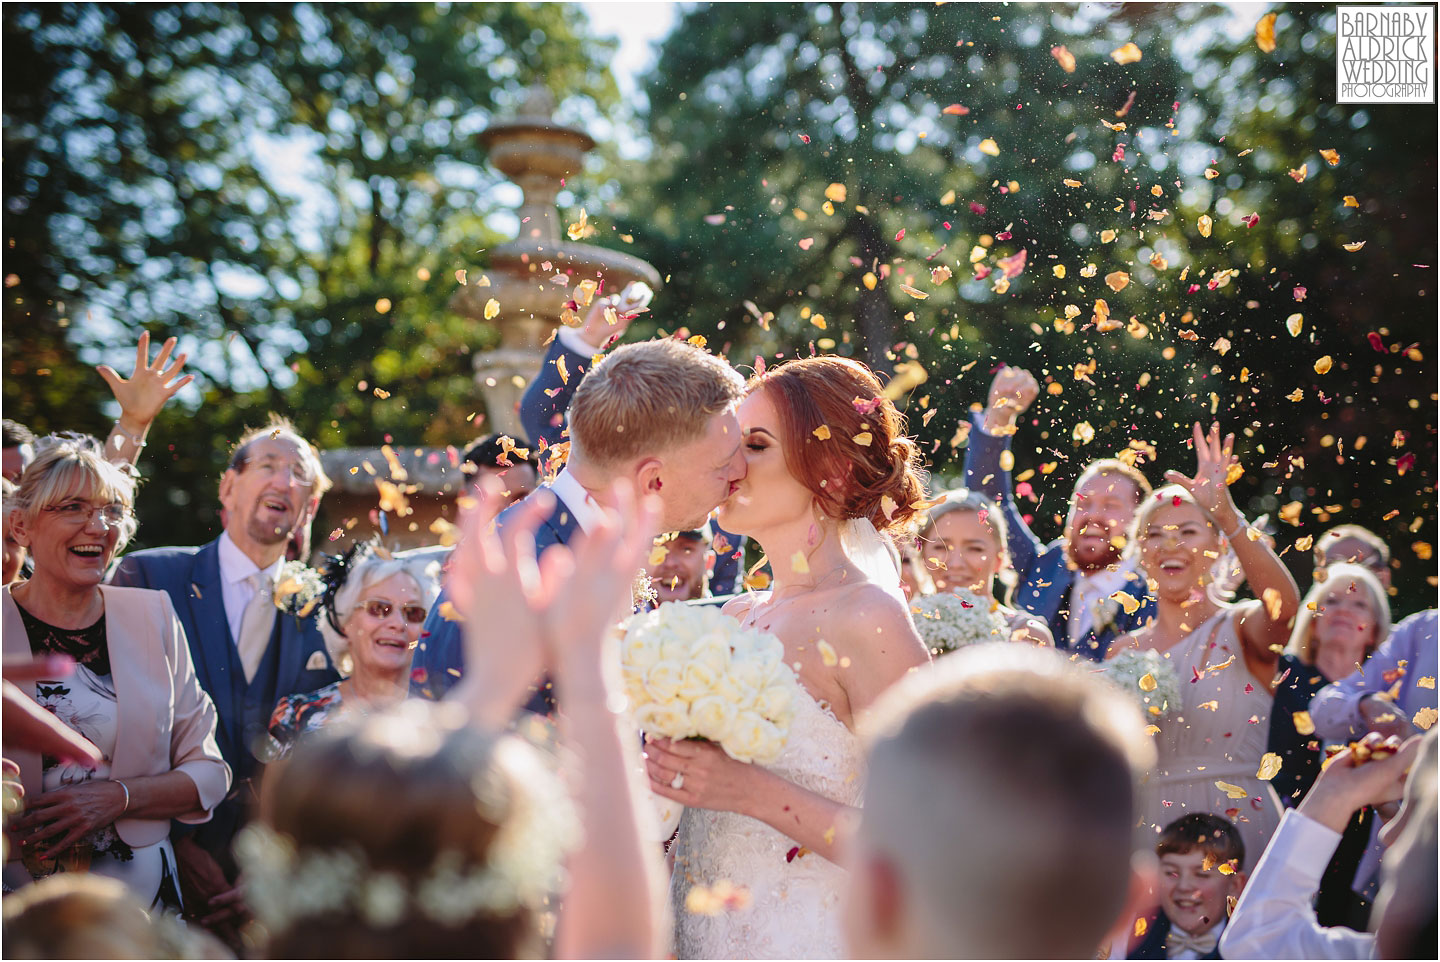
256 625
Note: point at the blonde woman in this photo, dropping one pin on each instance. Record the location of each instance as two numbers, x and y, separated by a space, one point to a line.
963 542
133 693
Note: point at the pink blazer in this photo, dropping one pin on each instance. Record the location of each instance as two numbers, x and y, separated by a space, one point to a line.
165 721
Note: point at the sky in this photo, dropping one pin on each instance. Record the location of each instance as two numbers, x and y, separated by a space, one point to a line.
638 25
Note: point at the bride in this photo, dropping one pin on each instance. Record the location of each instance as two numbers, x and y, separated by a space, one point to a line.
828 469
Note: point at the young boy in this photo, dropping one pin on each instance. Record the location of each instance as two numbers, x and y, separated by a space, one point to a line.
1201 861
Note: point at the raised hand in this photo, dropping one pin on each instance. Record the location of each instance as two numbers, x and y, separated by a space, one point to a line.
149 387
1209 486
629 304
1011 394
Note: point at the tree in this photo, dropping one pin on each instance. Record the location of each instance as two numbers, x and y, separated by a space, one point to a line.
825 159
290 188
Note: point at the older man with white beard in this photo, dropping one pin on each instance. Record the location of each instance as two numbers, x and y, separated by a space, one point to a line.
1085 585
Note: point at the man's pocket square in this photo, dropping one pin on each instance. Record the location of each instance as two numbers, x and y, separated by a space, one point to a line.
317 661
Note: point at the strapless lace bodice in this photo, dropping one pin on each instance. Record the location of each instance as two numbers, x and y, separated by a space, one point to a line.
794 906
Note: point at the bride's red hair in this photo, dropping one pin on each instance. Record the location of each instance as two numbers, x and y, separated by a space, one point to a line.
874 477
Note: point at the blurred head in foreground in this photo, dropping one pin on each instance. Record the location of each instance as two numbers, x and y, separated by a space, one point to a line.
998 812
407 834
77 915
1405 910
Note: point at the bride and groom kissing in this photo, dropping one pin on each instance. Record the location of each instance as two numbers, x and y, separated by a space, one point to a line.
809 459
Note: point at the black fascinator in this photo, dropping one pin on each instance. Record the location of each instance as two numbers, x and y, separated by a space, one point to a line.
336 571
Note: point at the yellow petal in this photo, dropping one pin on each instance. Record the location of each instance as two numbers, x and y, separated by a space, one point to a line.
798 563
989 147
1323 365
657 555
1129 602
836 193
1269 766
870 280
1126 54
822 432
1350 201
1265 33
1303 723
863 439
1117 280
1205 224
1231 791
1425 718
827 654
1294 323
492 308
1147 682
1331 155
1352 248
918 295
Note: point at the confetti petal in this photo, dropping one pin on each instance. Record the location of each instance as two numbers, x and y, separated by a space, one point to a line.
827 653
1126 55
1231 791
1064 58
1265 33
1269 766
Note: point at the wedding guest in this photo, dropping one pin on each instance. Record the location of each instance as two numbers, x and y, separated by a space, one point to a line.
1385 695
92 917
683 573
18 448
476 827
1356 545
1274 918
247 653
371 612
1224 654
1072 583
1342 619
133 693
515 466
681 442
963 540
914 573
1042 759
1389 691
14 550
568 360
1202 862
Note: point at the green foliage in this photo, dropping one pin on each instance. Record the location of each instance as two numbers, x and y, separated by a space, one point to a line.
732 209
260 180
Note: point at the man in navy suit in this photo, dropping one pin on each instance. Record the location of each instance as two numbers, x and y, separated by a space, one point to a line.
570 354
247 653
660 414
1085 585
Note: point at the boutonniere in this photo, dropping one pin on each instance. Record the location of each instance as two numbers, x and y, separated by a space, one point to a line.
1105 615
298 588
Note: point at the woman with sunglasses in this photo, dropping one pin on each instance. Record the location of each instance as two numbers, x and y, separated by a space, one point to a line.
373 608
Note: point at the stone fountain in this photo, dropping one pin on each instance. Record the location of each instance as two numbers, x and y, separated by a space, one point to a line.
539 155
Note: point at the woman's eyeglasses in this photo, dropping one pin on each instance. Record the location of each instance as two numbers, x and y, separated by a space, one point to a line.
79 512
380 610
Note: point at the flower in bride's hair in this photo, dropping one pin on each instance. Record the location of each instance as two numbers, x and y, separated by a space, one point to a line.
714 717
670 719
663 680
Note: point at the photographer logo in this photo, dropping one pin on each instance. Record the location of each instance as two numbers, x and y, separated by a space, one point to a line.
1384 55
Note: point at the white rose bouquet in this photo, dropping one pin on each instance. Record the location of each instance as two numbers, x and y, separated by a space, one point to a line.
692 672
957 619
1148 677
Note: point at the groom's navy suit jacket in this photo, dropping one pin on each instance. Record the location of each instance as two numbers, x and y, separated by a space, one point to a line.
440 656
1044 571
542 414
295 662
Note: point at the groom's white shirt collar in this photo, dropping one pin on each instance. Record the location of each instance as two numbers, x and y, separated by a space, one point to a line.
582 507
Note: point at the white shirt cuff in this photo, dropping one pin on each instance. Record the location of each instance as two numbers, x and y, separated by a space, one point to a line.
571 340
1303 844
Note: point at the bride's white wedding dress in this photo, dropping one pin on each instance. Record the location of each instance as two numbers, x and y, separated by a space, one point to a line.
795 895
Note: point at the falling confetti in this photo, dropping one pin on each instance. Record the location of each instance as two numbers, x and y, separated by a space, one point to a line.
1265 33
1127 54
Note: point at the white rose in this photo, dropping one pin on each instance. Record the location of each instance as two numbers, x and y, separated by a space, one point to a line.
752 671
753 739
775 702
713 717
670 720
676 646
663 679
639 650
712 650
698 680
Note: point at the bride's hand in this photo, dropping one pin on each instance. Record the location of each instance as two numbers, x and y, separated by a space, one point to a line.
707 777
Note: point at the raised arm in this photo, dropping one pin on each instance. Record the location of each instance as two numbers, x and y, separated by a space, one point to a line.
1264 624
1011 394
141 397
570 355
1360 702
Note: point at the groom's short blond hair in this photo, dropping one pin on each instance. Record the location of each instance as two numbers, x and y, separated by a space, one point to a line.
1002 792
645 398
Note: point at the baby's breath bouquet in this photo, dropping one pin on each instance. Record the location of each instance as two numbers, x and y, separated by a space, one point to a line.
957 619
1148 677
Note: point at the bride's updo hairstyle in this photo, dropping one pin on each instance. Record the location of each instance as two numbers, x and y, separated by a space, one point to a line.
407 834
866 467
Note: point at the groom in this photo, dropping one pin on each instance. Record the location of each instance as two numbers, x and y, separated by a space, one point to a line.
659 413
